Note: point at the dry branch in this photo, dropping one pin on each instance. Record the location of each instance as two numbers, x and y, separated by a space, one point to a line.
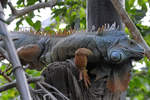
3 54
48 93
57 91
5 76
13 10
13 84
131 26
18 13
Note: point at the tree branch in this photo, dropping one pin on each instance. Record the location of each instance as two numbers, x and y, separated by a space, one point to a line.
3 54
13 84
13 10
131 26
5 76
57 91
47 92
28 9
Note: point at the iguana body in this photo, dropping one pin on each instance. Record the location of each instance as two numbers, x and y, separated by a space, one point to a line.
111 47
104 46
62 48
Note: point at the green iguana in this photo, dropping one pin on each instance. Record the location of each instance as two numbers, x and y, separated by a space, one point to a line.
112 47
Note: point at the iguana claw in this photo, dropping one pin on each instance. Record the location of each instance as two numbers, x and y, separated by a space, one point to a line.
84 76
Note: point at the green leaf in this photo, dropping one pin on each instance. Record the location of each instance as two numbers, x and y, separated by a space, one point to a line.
29 21
19 2
31 2
31 14
3 67
37 25
18 23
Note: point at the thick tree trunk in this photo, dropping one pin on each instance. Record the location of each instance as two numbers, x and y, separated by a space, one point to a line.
100 12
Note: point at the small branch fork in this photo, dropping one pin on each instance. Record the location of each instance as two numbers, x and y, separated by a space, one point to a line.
43 88
131 26
3 54
5 76
17 13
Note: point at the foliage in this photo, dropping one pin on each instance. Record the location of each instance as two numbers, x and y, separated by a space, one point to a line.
139 88
67 12
72 13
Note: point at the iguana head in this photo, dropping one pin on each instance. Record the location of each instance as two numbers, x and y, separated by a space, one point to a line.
123 48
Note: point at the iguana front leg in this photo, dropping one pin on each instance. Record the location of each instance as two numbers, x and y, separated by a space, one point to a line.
81 63
29 54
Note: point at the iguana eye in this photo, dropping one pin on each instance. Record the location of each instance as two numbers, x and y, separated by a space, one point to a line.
131 42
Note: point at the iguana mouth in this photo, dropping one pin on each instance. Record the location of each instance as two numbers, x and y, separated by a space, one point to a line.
137 55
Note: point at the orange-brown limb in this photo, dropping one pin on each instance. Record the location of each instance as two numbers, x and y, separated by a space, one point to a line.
81 63
29 54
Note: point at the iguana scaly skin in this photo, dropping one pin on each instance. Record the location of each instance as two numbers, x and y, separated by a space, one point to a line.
30 47
112 47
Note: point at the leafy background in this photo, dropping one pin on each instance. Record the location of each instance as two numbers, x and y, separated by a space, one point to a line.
72 13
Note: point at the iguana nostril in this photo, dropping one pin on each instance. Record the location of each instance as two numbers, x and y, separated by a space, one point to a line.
115 56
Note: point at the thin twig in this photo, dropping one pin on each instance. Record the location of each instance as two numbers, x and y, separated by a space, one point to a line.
13 84
51 87
4 54
45 90
8 68
13 10
131 26
5 76
28 9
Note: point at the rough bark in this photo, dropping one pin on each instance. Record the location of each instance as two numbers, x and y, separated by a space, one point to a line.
100 12
4 3
64 76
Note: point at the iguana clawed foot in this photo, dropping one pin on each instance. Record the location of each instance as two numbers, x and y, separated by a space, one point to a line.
81 63
84 76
